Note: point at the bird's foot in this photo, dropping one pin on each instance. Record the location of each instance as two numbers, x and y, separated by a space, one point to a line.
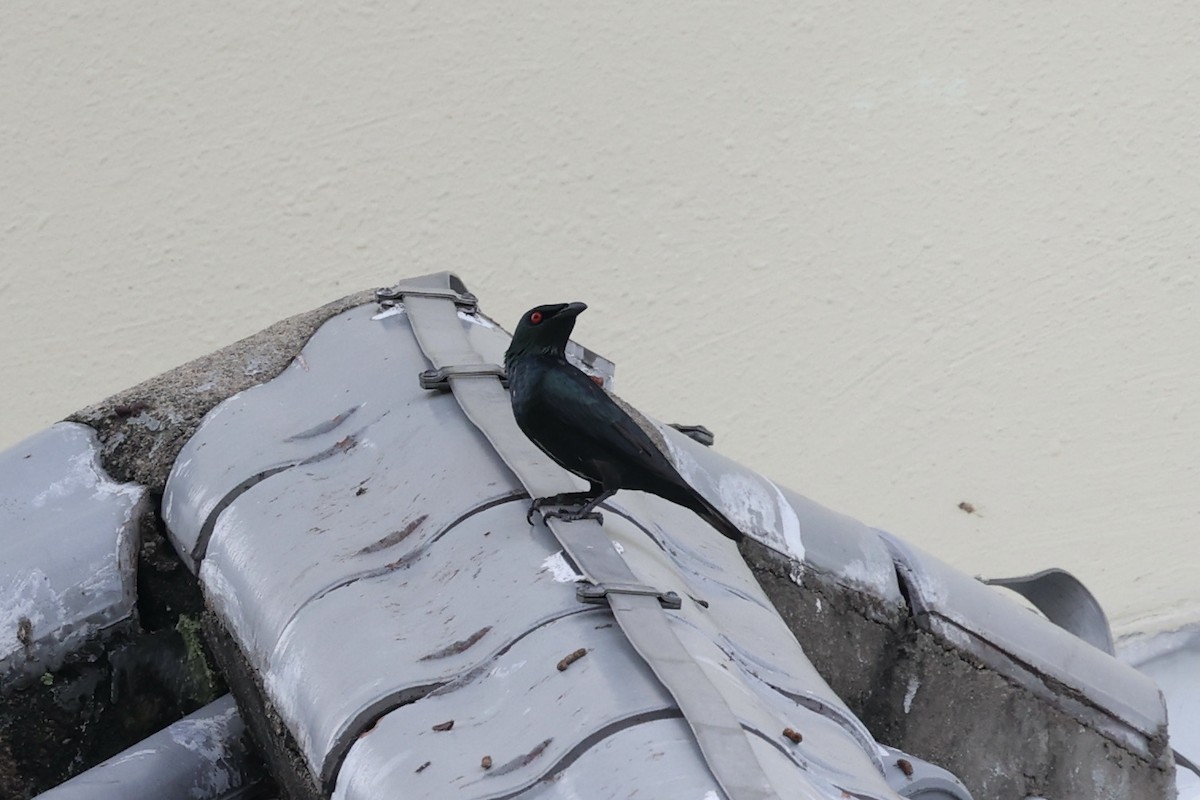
572 515
563 499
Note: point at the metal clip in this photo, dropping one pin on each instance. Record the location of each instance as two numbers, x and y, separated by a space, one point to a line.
698 432
388 297
438 380
598 593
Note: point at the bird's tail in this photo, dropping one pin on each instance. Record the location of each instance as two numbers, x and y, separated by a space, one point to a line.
714 516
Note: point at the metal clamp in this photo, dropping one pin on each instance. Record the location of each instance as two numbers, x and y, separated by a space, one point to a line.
598 593
697 432
388 297
438 380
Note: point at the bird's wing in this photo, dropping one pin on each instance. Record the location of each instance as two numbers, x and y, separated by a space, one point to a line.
610 447
603 428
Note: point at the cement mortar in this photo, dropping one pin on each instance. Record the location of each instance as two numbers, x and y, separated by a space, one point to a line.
142 429
921 695
849 635
998 737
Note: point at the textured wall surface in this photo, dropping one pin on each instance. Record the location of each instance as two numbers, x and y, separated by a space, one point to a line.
896 257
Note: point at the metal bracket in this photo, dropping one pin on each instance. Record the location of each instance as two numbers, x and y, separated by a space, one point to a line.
698 432
438 380
390 296
1066 602
598 593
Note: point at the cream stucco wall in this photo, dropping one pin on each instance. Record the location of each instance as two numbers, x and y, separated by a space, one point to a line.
897 256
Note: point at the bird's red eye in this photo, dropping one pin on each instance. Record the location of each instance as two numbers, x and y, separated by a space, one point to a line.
535 317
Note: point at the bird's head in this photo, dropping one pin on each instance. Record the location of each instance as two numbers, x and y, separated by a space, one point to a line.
545 330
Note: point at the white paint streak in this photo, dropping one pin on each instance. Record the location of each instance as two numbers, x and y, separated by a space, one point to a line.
504 670
789 522
288 684
559 569
914 684
878 581
475 319
223 597
748 506
749 500
206 738
394 311
116 760
85 474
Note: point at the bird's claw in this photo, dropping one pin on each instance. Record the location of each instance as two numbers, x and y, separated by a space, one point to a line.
573 516
563 499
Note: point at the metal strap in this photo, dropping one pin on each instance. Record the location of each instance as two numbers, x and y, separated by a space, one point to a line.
452 289
723 742
438 380
598 593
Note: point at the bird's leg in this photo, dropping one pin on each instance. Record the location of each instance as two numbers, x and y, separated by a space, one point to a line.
585 511
563 499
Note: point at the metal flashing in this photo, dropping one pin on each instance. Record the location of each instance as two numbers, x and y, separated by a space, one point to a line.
1066 602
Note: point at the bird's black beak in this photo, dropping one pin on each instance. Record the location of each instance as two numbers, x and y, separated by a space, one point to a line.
573 309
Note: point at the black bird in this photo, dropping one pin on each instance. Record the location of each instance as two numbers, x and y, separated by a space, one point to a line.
582 428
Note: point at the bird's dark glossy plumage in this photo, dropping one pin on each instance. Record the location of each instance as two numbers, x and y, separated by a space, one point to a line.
579 425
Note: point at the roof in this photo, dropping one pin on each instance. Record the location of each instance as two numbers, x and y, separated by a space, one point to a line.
387 617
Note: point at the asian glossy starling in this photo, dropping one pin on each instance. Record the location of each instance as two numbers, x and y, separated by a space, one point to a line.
582 428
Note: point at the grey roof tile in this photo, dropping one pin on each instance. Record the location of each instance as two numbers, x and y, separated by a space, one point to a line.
656 759
1080 679
200 757
744 646
68 545
353 605
344 381
787 522
368 559
519 709
1066 602
459 600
